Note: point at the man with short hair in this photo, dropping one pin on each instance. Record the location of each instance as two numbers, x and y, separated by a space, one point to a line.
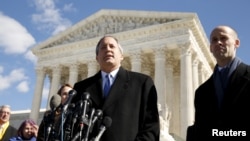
6 130
128 98
222 102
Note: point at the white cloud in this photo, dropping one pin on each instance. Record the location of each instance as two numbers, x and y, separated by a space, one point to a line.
30 56
14 76
23 87
49 17
69 7
14 38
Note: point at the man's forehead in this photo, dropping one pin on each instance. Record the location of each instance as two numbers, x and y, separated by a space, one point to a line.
5 109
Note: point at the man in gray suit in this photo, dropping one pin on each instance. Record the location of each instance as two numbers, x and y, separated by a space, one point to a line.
131 102
222 103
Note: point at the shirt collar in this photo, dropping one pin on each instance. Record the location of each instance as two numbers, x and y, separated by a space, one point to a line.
113 73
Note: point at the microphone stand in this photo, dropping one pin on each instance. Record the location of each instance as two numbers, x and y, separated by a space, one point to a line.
89 125
62 121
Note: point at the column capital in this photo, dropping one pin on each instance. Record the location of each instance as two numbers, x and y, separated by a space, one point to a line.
136 55
40 70
170 59
92 62
186 49
196 59
160 52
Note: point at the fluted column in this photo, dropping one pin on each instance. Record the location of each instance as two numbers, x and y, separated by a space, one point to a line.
37 97
160 75
147 70
186 93
55 83
170 89
201 73
175 124
73 74
136 61
92 67
195 74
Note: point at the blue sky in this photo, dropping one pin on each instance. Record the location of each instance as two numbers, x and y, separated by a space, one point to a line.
25 23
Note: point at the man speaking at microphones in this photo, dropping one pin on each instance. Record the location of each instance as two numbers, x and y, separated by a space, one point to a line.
128 98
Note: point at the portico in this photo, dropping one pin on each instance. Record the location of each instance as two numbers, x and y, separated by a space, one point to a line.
170 47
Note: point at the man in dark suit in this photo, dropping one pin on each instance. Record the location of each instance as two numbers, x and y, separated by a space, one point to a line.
131 102
6 130
222 103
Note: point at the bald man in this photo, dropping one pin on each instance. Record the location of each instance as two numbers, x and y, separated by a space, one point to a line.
222 103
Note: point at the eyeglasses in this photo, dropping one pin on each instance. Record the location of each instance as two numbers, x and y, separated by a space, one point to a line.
4 112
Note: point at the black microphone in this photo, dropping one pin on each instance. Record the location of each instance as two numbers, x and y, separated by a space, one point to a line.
85 97
89 124
83 120
107 121
97 115
71 94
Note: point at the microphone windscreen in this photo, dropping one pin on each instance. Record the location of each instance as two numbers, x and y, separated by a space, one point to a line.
85 96
107 121
72 92
55 101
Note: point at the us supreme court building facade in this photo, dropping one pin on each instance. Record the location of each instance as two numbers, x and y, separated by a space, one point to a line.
171 47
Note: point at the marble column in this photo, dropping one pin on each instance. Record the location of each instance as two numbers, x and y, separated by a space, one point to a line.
186 93
170 90
37 97
175 125
147 70
136 61
201 73
73 74
55 83
160 75
195 74
92 68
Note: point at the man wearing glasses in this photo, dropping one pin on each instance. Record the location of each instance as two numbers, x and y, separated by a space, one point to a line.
6 130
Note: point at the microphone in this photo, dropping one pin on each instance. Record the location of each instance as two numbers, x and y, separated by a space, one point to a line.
89 124
107 121
71 93
97 115
55 102
83 120
85 97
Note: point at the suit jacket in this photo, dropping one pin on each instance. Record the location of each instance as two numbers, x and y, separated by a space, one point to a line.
234 113
10 132
131 104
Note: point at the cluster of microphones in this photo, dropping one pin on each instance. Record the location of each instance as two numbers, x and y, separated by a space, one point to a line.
74 121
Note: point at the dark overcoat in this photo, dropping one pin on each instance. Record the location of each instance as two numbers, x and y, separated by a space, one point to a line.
131 104
234 115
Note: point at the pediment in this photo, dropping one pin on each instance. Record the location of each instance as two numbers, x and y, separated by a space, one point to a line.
109 22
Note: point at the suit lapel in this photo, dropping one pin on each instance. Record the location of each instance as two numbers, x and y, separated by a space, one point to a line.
96 90
238 82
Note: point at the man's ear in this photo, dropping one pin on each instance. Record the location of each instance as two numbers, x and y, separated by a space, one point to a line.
237 43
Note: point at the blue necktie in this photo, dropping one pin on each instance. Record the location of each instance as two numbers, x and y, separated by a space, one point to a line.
107 85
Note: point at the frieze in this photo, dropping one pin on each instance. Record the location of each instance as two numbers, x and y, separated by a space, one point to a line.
107 25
